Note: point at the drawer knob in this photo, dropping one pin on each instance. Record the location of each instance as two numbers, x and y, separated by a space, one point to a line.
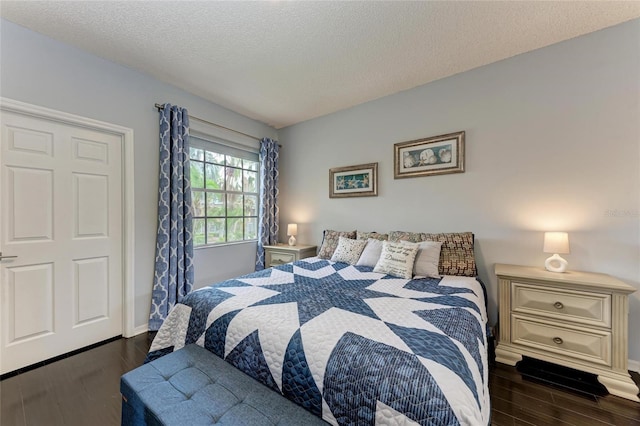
558 340
558 305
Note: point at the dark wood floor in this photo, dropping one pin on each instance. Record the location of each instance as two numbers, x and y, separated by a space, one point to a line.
518 401
84 390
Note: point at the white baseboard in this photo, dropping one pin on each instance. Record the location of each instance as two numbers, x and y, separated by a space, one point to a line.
139 330
634 365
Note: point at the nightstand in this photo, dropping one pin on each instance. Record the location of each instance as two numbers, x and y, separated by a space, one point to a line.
575 319
284 253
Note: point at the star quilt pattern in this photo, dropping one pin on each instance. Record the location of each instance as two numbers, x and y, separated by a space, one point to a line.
350 345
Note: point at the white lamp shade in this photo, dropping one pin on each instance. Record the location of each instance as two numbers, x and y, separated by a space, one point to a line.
556 242
292 229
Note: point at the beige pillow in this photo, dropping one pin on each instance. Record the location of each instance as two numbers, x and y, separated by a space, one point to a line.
427 259
348 250
397 259
371 253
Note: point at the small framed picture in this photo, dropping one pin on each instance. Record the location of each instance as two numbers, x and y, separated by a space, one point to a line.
354 181
437 155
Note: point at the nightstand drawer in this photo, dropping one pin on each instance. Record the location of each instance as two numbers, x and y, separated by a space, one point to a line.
278 258
279 254
582 307
589 345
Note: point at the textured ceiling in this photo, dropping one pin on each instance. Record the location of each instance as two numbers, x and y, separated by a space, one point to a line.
283 62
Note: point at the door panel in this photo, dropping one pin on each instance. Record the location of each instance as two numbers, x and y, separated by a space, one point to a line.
61 215
91 289
30 140
91 205
31 301
90 150
30 217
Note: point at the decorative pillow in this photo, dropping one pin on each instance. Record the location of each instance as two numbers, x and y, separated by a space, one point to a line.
397 259
427 259
456 255
330 242
371 253
376 236
348 250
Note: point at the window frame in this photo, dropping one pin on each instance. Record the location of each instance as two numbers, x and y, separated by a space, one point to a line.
217 145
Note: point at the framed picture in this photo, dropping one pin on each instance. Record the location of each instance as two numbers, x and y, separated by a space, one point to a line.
437 155
354 181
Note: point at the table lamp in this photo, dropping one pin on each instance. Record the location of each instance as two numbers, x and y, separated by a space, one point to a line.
292 230
556 242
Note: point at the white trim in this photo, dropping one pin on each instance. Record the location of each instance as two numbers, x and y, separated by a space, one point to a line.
634 365
129 238
139 330
128 255
231 243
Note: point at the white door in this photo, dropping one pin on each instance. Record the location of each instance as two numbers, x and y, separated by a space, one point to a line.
61 216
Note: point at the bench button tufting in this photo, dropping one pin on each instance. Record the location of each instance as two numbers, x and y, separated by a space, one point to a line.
140 398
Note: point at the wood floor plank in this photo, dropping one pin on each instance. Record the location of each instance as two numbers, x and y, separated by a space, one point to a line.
67 375
12 412
532 413
621 406
531 389
39 406
512 375
498 418
595 411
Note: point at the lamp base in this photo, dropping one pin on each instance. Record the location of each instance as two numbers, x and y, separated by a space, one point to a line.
292 240
556 264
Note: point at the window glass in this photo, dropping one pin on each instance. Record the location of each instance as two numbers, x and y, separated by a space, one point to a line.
224 186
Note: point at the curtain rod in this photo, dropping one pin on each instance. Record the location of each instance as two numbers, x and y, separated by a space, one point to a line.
161 107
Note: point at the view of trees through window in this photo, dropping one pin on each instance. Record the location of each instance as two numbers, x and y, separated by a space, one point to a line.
224 189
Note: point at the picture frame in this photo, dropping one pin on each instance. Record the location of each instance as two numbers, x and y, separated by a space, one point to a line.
437 155
354 181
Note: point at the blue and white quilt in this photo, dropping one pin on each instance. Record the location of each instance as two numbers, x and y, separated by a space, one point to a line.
350 345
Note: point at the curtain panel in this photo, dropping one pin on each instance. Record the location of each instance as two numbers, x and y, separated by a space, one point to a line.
174 273
269 221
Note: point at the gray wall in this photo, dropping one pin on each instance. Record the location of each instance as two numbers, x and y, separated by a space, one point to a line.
41 71
552 144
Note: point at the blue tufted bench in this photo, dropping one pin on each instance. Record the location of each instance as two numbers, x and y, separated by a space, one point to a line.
192 386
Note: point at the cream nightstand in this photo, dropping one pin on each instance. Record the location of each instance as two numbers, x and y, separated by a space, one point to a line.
284 253
575 319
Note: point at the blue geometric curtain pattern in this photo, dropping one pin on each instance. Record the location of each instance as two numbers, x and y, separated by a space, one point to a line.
174 244
268 224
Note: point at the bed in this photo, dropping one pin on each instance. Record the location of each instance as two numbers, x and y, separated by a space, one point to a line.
349 344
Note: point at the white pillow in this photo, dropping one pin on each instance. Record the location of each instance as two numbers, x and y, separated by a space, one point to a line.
427 259
348 250
371 253
397 259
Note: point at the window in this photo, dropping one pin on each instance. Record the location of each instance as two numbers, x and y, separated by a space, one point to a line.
224 188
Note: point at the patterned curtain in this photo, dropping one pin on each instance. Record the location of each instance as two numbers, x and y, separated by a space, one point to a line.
269 212
174 244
